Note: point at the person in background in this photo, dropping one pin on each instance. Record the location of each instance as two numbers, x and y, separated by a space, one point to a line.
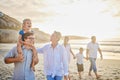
80 58
91 54
69 51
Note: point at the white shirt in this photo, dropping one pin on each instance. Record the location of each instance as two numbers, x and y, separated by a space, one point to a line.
67 47
93 48
55 61
79 57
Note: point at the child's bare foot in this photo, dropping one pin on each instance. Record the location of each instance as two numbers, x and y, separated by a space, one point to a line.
20 52
80 77
33 68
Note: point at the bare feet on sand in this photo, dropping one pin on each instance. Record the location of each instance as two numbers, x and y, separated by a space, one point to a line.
89 74
98 76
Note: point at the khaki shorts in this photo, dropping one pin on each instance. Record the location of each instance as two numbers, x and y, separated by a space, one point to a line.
80 67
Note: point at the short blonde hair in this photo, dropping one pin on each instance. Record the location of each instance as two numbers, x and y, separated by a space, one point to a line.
27 19
58 34
81 48
93 37
66 37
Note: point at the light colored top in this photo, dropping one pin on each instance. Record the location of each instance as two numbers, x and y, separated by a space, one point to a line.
67 47
22 70
55 61
79 57
93 48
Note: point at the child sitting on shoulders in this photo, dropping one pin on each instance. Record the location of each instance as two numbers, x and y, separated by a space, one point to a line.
26 27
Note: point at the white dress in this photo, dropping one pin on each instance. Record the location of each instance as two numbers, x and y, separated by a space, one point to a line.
67 47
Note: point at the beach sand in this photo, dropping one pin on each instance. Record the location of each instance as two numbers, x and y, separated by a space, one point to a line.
109 69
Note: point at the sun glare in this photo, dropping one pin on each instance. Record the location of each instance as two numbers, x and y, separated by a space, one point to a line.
83 18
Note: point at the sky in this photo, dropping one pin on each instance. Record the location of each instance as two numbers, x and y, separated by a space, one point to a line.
70 17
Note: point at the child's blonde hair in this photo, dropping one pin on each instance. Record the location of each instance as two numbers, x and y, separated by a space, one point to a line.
81 48
27 19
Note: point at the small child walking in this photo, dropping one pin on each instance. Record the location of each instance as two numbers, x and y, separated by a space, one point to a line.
80 58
